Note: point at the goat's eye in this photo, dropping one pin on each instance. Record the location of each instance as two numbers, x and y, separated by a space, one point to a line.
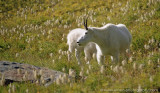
86 33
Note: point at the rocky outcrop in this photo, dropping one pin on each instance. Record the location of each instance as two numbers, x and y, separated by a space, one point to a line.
19 72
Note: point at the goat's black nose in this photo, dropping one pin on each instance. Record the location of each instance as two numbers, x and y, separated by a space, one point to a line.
78 43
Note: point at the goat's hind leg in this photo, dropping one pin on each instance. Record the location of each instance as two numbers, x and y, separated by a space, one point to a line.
116 58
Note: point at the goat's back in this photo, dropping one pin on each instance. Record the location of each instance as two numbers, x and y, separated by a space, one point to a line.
125 30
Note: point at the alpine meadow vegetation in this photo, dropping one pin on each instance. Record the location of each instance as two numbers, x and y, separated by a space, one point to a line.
35 32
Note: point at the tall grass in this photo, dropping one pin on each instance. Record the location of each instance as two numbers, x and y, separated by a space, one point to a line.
34 32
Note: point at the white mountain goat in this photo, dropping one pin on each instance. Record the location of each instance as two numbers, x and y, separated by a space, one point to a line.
110 39
89 49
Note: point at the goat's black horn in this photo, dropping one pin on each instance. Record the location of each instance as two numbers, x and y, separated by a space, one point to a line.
86 25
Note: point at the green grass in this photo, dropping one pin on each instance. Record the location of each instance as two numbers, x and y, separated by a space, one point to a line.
31 30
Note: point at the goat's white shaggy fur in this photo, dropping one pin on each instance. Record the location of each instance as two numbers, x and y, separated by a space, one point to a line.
89 49
110 39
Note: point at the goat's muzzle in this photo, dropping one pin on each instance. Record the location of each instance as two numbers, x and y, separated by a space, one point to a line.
78 43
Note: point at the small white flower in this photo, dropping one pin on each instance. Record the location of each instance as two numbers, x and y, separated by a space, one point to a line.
17 54
116 69
152 53
111 67
119 3
63 69
139 88
53 61
18 71
40 72
102 69
35 74
103 23
82 68
24 77
131 59
10 85
51 54
68 52
152 40
42 80
149 62
141 66
146 47
68 80
124 62
51 77
63 35
90 67
60 51
151 79
127 50
58 82
9 90
62 39
72 73
87 71
63 79
60 57
81 73
37 82
13 88
63 52
121 69
27 90
48 37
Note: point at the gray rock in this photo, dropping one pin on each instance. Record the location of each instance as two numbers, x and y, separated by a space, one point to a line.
19 72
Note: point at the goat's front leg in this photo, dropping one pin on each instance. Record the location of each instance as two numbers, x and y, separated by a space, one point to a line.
77 54
100 59
87 57
69 55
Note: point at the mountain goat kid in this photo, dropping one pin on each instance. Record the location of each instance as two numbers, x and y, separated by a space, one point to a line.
111 40
89 49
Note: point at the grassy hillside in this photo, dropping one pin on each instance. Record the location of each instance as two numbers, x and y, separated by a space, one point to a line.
34 32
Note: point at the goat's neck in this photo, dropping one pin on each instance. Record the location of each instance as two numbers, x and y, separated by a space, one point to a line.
100 39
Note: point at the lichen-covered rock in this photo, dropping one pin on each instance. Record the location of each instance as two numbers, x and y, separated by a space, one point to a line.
19 72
